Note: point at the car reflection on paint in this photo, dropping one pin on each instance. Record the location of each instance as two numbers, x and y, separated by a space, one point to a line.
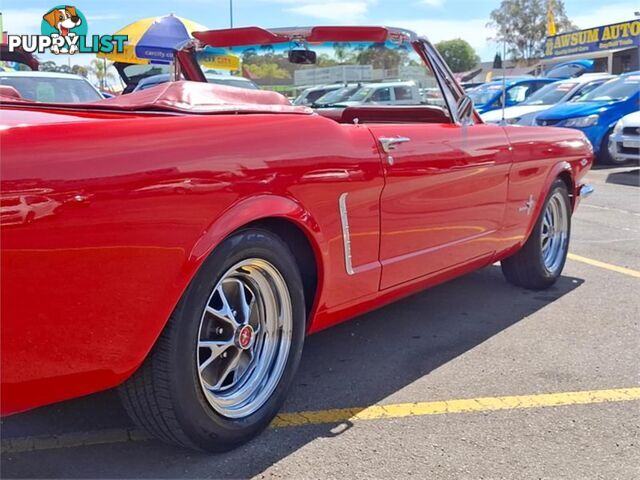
184 185
21 209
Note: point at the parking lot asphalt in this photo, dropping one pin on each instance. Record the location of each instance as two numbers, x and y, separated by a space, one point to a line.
547 383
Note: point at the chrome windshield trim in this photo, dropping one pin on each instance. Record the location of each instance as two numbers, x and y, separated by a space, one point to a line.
346 237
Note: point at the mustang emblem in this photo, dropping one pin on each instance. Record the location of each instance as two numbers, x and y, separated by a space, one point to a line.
528 207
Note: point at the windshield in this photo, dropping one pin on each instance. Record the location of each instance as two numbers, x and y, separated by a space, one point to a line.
338 70
550 94
53 90
484 93
233 82
361 94
337 96
615 90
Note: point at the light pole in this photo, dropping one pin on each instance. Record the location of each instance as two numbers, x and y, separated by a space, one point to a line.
231 13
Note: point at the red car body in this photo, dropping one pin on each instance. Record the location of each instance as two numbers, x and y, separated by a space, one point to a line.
144 197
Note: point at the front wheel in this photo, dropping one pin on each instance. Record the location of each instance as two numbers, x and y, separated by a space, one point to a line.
540 261
222 367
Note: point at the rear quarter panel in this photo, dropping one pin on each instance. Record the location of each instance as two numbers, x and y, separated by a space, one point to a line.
139 203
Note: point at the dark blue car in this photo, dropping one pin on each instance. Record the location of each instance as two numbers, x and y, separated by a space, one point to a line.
597 112
488 96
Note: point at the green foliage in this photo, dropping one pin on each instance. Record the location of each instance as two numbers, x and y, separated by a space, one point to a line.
100 69
268 71
522 24
51 66
459 55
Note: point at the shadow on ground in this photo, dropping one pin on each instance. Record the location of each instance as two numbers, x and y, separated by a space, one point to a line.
630 178
358 363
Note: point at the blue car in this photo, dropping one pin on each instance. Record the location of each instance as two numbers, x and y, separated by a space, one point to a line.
571 69
488 96
597 112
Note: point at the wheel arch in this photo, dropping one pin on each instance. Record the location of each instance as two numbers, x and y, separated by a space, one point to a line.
282 216
561 170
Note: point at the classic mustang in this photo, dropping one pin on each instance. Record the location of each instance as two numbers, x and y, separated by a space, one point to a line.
197 233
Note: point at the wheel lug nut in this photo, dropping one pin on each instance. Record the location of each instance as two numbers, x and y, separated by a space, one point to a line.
219 330
224 354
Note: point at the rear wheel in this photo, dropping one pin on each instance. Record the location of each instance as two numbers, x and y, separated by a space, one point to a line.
221 368
540 261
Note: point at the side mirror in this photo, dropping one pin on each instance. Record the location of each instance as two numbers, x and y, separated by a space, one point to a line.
465 110
302 57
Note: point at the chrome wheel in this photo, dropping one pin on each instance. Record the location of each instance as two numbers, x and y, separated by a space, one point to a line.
555 232
244 338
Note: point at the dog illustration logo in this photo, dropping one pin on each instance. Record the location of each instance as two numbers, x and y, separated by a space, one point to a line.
67 22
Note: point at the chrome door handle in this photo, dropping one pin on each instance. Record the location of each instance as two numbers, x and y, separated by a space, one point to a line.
391 143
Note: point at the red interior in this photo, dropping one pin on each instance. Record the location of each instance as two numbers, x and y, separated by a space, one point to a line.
387 114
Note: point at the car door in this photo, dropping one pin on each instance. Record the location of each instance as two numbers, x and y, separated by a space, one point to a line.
445 189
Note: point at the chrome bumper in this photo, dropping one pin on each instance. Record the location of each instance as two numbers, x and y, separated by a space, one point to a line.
585 190
616 146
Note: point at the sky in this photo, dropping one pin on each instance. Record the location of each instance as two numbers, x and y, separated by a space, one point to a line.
437 19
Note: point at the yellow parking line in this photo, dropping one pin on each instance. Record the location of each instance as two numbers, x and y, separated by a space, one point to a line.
606 266
341 415
482 404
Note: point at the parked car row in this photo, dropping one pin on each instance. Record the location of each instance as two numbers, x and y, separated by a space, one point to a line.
593 103
352 94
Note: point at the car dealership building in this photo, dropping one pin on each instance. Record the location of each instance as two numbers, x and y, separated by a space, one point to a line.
613 48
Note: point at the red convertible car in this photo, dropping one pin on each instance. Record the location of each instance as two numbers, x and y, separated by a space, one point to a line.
198 232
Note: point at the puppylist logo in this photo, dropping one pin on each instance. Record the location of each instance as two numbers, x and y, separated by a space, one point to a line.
64 29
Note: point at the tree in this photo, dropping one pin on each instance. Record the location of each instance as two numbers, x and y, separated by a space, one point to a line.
497 61
459 55
522 24
100 69
51 66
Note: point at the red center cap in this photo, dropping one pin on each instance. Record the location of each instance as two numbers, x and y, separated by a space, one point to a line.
245 337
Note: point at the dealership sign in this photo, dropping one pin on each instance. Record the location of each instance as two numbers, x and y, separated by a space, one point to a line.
598 39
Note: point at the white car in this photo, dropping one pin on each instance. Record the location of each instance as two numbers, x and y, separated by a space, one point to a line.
51 86
386 93
624 141
311 94
548 96
228 80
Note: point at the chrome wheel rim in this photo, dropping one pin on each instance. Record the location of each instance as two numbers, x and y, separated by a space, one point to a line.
555 232
244 338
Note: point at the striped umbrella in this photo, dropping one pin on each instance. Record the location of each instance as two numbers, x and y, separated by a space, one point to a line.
152 40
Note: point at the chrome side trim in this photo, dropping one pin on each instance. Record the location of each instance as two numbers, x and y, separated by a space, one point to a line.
586 190
346 237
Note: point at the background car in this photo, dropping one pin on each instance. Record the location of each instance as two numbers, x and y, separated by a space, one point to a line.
51 87
386 93
337 96
312 94
597 112
488 97
571 69
546 97
624 141
228 80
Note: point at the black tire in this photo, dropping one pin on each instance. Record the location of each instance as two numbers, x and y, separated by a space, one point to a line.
526 268
165 397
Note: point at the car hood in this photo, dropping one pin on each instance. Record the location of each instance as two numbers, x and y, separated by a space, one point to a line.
512 112
578 109
631 120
